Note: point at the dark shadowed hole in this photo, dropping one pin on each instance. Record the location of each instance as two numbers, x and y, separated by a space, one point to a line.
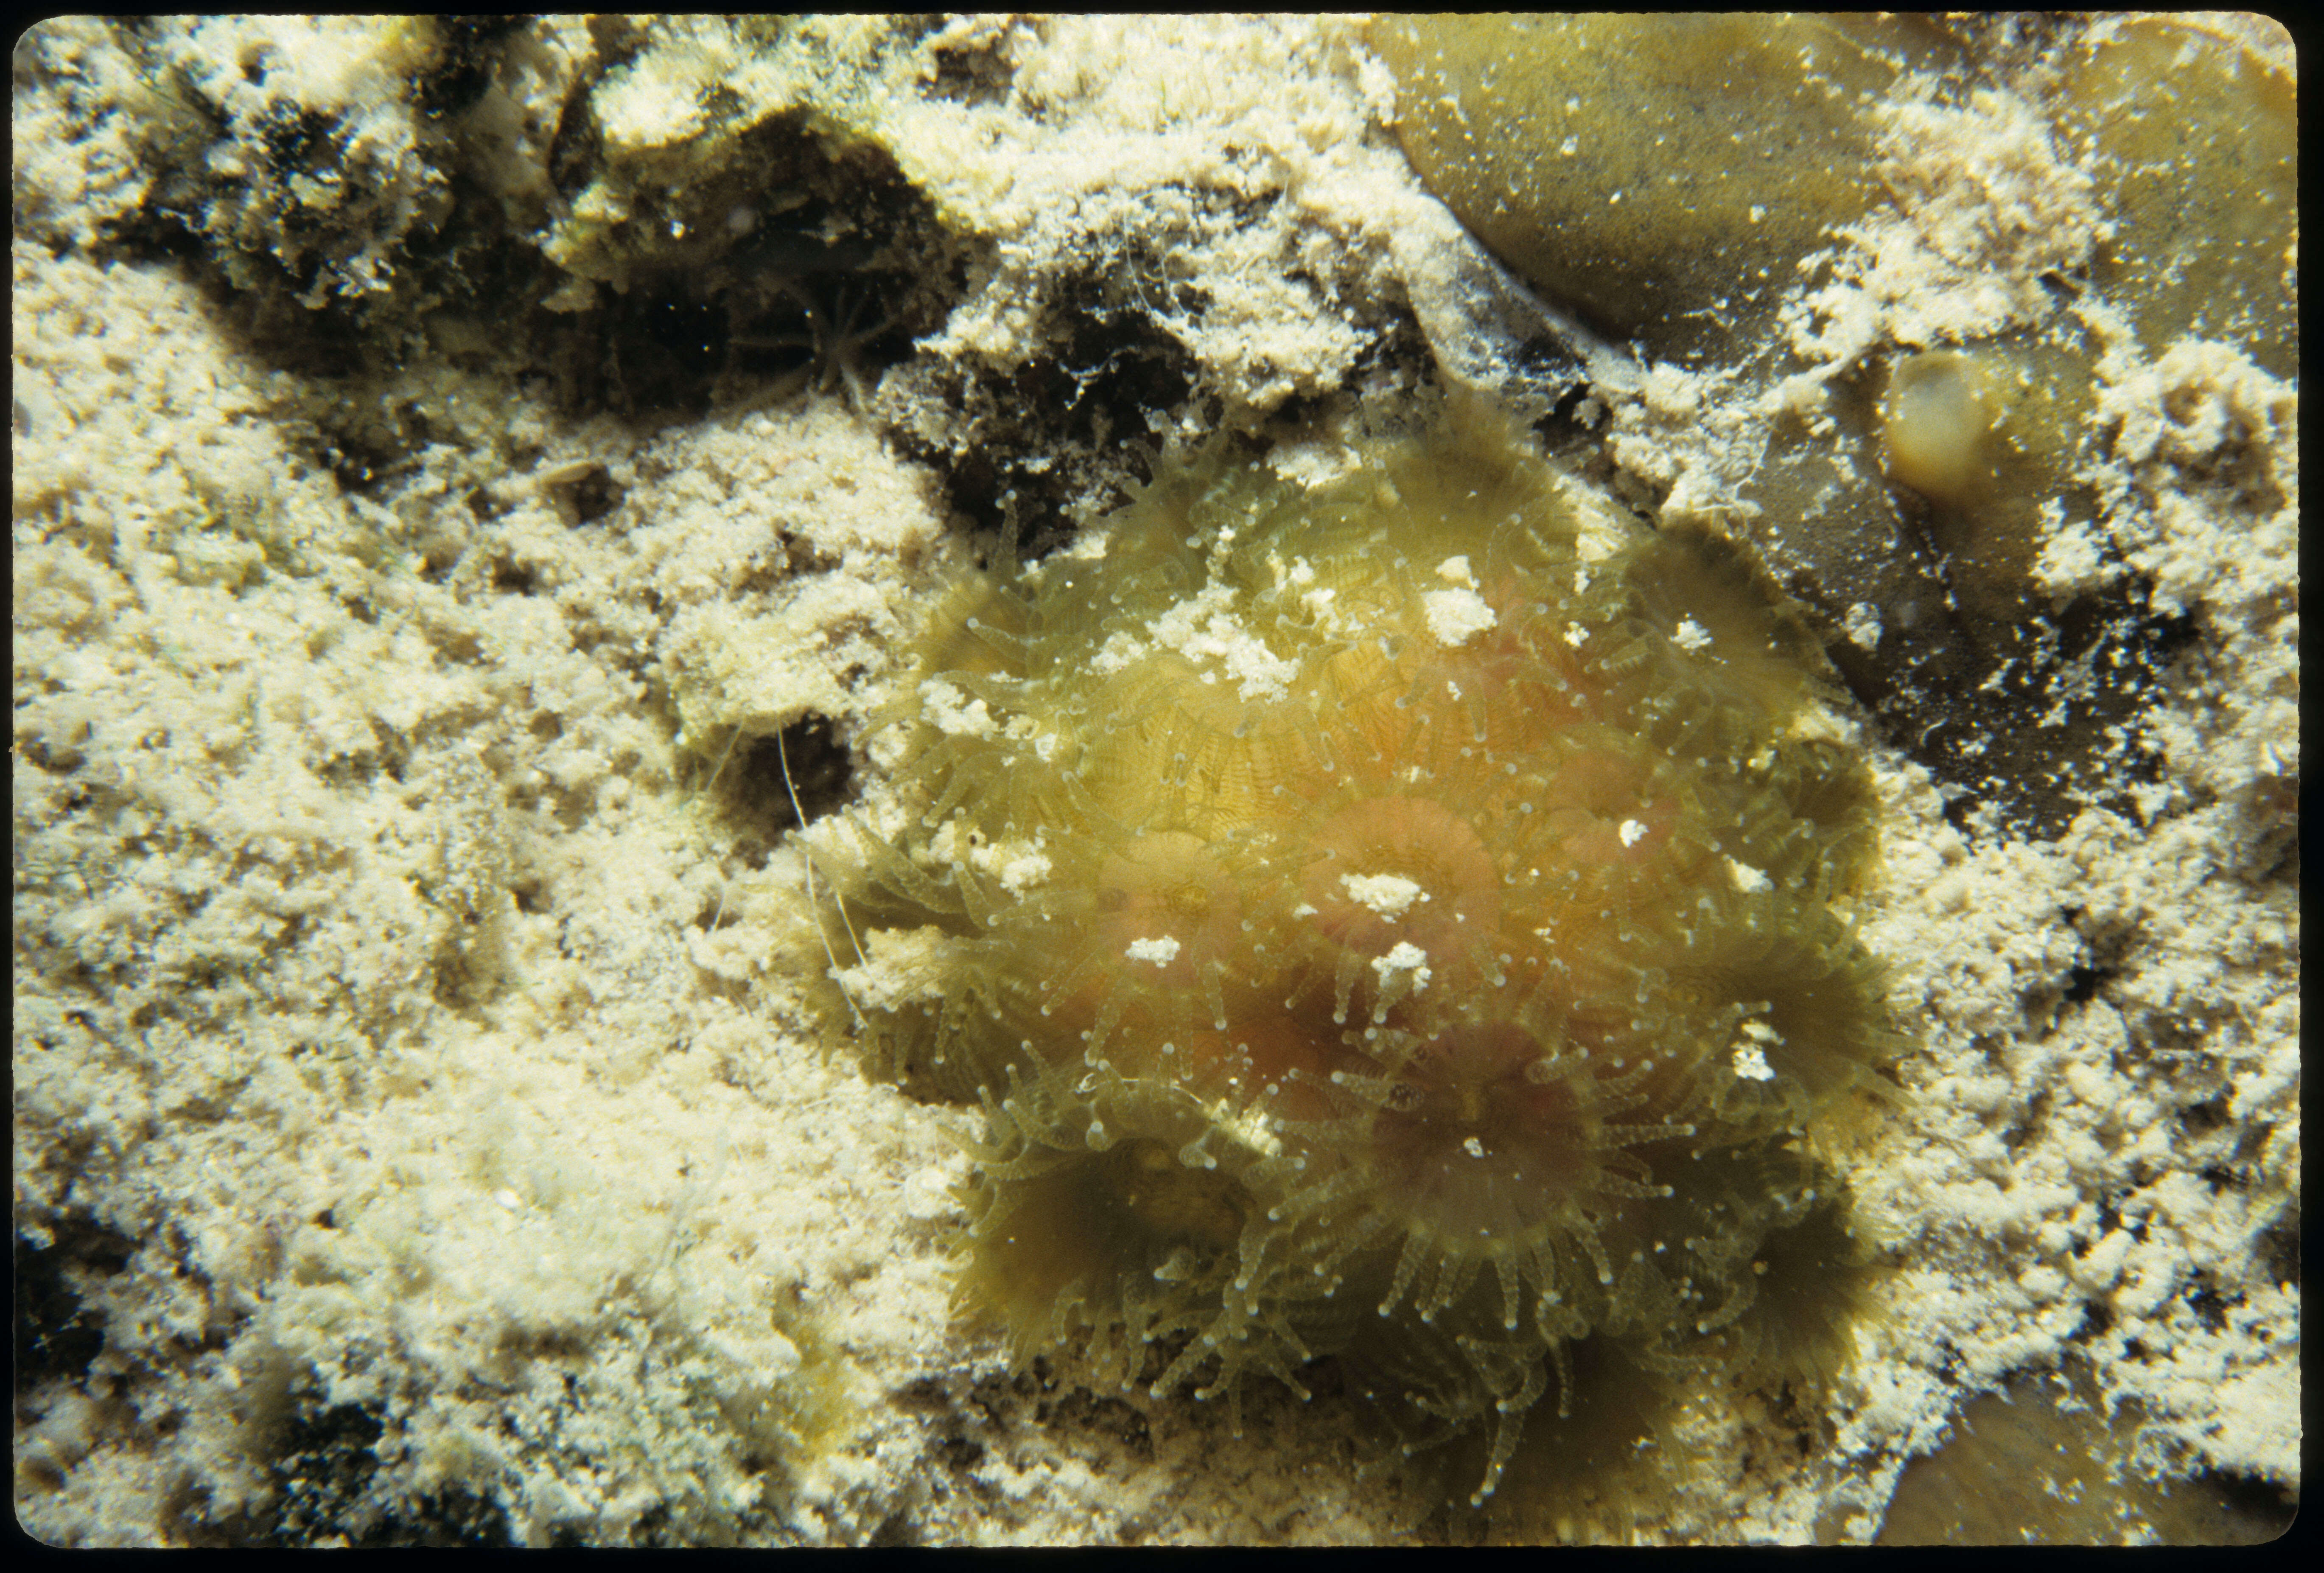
2082 983
595 496
751 793
2205 1117
821 774
56 1334
1114 367
331 1491
662 347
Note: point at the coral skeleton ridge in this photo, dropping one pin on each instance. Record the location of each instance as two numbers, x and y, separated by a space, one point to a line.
1397 919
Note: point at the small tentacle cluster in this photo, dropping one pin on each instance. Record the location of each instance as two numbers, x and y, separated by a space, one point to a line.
1390 917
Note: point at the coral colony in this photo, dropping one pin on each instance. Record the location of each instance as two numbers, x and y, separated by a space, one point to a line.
1388 919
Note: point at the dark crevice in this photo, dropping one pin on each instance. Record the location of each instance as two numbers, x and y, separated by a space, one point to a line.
327 1474
56 1334
2082 983
759 802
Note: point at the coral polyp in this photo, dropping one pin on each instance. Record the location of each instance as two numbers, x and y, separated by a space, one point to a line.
1486 1147
1389 917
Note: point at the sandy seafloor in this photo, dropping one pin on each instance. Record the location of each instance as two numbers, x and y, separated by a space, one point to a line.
425 1123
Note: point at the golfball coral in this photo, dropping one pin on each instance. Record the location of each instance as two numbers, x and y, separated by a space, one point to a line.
1389 917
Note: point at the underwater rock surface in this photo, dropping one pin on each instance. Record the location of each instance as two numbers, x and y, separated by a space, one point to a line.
1674 180
482 493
